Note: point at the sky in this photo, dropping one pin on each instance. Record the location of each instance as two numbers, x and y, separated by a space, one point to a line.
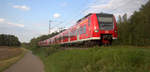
27 19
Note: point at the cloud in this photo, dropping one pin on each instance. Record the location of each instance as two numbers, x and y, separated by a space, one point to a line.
116 7
15 24
22 7
56 15
3 22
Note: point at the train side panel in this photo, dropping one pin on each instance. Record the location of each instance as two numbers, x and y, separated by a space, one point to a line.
91 27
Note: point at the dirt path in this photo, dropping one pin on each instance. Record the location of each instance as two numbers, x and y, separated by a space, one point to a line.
29 63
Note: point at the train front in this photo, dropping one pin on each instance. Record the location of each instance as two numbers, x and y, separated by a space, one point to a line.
107 29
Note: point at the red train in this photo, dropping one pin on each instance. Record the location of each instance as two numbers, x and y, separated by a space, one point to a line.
95 28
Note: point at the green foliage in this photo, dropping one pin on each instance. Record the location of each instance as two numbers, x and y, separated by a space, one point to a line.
135 31
45 51
9 40
34 41
98 59
52 49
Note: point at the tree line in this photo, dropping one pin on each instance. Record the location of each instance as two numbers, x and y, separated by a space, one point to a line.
9 40
34 41
136 29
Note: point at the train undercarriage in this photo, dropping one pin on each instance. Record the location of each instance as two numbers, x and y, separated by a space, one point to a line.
106 39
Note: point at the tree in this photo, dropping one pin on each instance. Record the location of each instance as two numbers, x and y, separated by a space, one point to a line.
34 41
135 30
9 40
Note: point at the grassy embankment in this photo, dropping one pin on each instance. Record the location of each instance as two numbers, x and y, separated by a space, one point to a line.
97 59
10 55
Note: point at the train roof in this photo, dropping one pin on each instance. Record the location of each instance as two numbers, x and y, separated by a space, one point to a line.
84 17
104 14
100 14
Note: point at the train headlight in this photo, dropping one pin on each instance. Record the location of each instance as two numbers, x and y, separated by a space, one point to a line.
115 31
96 31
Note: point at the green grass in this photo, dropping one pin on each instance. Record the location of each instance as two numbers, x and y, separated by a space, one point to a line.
98 59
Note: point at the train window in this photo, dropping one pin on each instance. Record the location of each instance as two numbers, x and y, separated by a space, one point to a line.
66 35
84 29
71 33
74 32
89 21
105 23
80 30
105 19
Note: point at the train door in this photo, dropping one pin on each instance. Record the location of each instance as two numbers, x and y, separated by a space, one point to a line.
78 34
69 36
89 27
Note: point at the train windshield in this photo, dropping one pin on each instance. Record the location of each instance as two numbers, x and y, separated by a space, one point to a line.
105 22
